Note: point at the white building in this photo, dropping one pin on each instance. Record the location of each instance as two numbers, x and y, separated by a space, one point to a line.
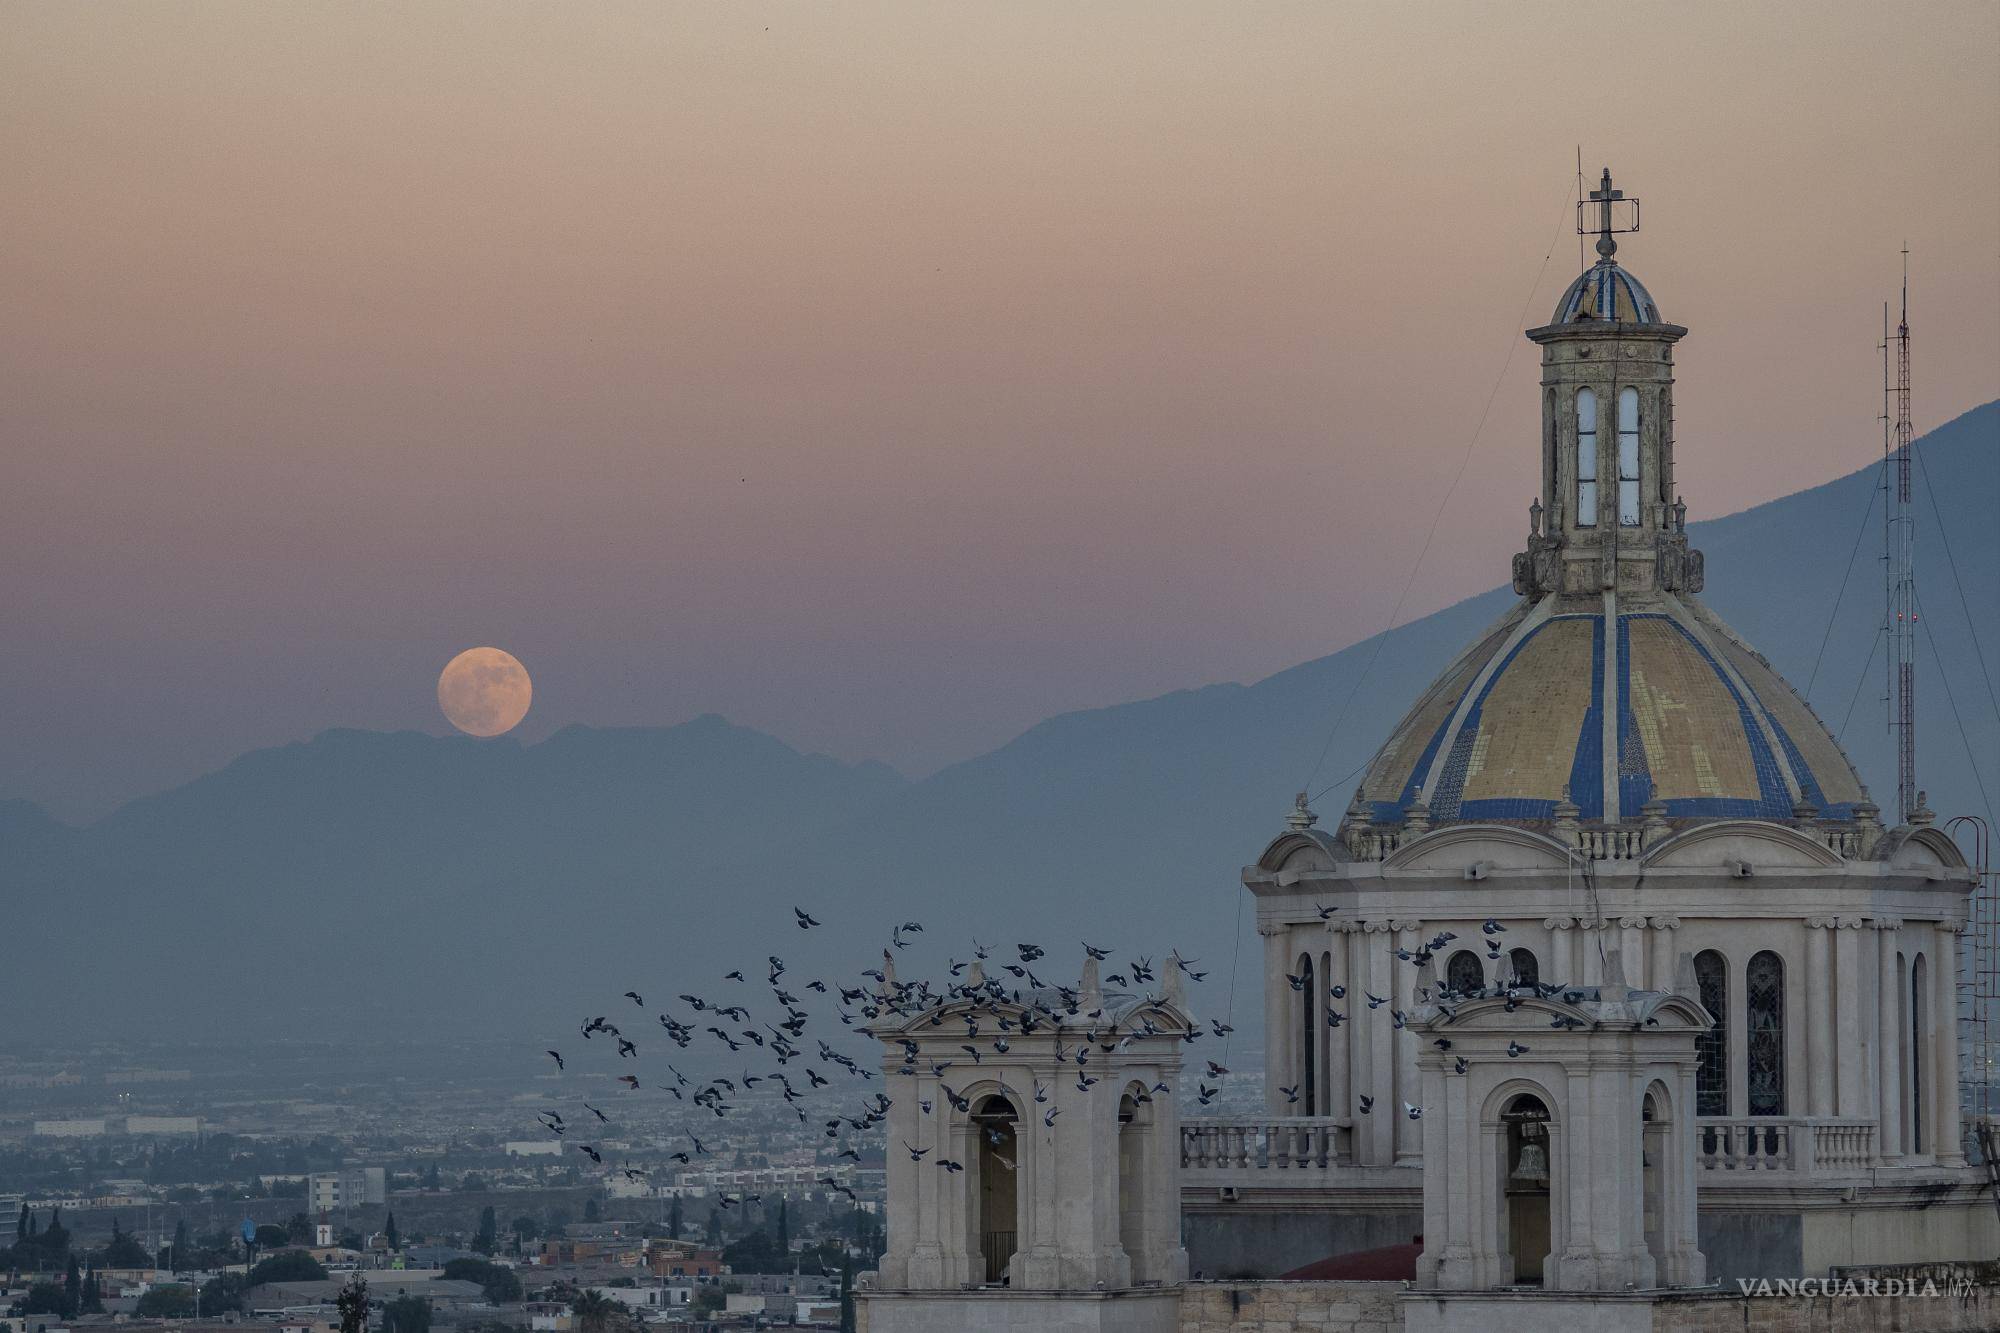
349 1187
1611 978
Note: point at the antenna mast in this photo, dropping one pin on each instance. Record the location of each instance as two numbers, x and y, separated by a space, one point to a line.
1900 615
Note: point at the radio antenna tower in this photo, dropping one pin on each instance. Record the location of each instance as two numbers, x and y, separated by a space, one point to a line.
1899 542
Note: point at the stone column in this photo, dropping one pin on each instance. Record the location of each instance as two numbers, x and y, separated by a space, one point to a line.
1561 964
1854 1039
1360 1055
1409 1133
1632 951
1277 1018
1381 1124
1661 963
1339 1095
1888 1042
1819 1016
1590 948
1944 1098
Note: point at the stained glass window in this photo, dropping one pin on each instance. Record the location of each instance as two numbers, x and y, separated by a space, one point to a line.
1308 1085
1586 458
1628 458
1711 1048
1463 973
1764 1014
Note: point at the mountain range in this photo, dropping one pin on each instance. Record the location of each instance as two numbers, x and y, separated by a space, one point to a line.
456 886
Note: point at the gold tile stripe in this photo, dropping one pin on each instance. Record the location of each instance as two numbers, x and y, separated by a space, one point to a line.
1687 719
1530 720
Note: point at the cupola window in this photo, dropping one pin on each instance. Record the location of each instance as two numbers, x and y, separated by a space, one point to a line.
1586 458
1628 458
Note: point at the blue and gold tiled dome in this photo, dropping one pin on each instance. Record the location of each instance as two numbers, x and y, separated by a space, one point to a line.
1608 292
1666 704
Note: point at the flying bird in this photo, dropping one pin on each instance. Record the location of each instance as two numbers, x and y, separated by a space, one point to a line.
557 1057
805 922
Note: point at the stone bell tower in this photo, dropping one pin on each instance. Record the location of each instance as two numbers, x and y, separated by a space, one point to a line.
1608 519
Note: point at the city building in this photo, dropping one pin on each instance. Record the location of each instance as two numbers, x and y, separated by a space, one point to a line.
349 1187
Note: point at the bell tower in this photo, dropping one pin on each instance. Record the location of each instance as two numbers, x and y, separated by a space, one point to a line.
1607 518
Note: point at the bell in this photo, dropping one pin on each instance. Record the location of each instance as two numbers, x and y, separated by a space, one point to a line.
1533 1164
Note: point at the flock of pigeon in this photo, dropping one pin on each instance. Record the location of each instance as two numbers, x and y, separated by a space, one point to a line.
1007 1011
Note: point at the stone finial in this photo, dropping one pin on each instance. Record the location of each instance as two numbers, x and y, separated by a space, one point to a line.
1922 814
1653 828
889 972
1535 518
1301 818
976 974
1804 812
1566 813
1419 818
1867 828
1174 989
1091 993
1685 982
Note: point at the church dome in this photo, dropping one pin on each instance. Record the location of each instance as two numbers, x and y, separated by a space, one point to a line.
1667 704
1608 292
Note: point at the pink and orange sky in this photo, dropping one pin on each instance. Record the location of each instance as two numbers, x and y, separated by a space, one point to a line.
888 377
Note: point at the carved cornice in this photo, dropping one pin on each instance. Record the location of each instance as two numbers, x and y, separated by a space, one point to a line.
1887 923
1632 922
1666 923
1820 922
1559 923
1374 927
1847 923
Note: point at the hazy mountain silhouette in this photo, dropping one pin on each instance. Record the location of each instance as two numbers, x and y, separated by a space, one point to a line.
369 881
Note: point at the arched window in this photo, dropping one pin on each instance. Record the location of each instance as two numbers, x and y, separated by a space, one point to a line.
994 1156
1764 1026
1308 1071
1711 1048
1464 974
1586 458
1527 972
1628 458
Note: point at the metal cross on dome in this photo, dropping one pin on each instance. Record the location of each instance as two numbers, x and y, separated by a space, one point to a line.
1602 198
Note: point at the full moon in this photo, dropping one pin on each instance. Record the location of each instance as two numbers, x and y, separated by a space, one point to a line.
484 691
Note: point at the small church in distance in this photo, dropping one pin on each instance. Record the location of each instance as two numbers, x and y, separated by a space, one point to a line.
1610 985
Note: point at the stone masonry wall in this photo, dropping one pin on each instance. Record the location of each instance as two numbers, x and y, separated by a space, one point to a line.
1291 1307
1375 1307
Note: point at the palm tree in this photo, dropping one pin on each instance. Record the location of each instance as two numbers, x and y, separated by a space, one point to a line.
593 1312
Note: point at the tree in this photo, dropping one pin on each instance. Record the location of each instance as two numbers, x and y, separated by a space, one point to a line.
299 1229
353 1305
21 1227
123 1251
784 1231
271 1237
219 1295
389 1232
523 1227
72 1289
674 1219
754 1253
92 1303
714 1226
500 1283
431 1178
846 1292
486 1239
406 1314
286 1266
43 1298
593 1311
180 1243
590 1210
175 1301
707 1301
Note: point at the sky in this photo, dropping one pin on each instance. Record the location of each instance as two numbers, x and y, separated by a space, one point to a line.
885 377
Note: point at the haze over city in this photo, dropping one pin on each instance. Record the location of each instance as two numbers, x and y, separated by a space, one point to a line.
888 378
